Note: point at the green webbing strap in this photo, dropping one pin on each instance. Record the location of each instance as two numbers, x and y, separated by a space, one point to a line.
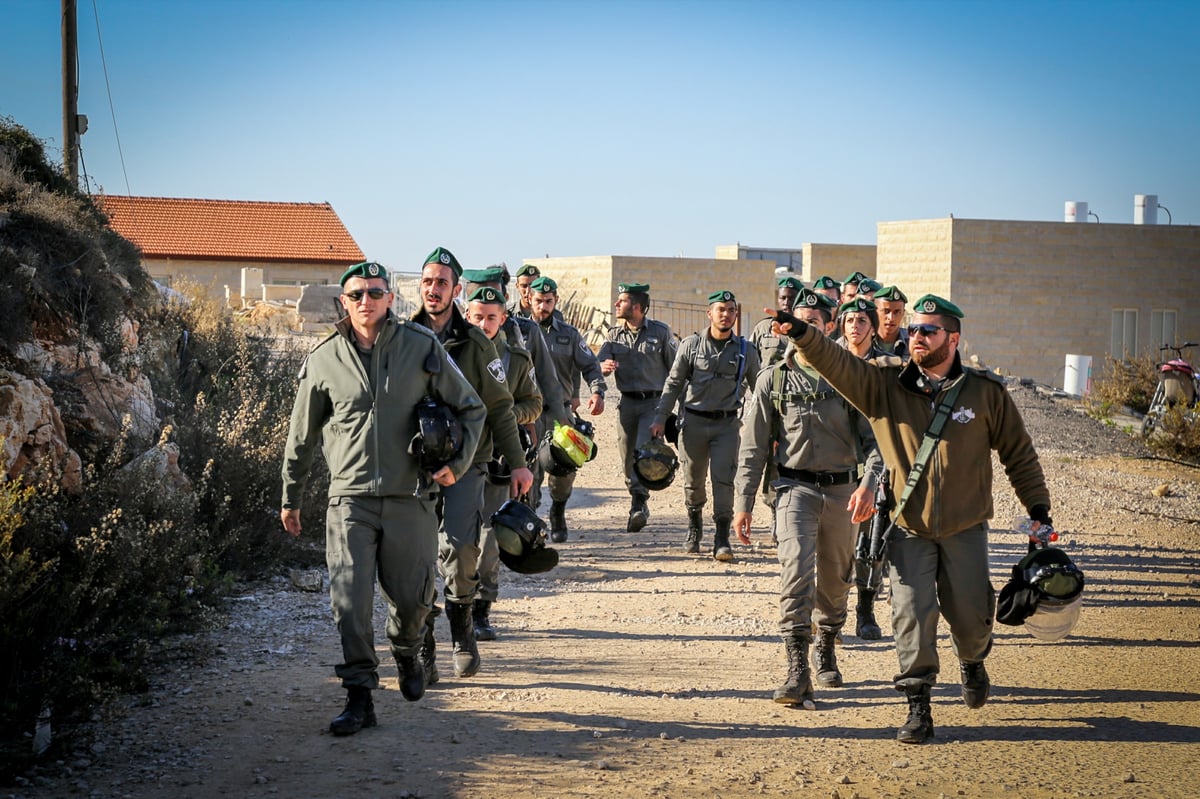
932 435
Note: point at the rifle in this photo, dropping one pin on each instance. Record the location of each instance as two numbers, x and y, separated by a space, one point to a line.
871 548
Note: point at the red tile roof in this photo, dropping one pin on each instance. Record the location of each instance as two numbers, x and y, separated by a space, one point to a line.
225 230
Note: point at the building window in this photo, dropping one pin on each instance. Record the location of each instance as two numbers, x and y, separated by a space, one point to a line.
321 282
1162 328
1124 333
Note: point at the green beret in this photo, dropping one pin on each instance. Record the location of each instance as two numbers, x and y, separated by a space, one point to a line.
826 282
528 269
544 285
867 285
856 305
486 294
854 277
366 269
492 274
633 288
933 304
446 258
807 298
721 296
789 282
891 294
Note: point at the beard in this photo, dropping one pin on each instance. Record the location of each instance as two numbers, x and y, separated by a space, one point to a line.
933 358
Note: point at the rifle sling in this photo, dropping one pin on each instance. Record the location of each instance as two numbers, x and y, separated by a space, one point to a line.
929 443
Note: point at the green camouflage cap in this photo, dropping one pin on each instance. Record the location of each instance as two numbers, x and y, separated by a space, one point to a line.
633 288
807 298
486 294
492 274
854 277
856 305
891 294
366 269
446 258
790 282
933 304
528 269
721 296
867 285
544 285
826 282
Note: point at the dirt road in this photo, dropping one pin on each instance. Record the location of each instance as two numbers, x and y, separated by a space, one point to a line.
636 670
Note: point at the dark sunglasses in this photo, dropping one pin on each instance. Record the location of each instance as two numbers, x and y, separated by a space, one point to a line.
375 294
925 330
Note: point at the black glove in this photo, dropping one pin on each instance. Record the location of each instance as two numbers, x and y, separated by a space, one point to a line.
1041 513
785 318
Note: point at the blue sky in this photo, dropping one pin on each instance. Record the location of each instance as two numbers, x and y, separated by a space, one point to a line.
506 130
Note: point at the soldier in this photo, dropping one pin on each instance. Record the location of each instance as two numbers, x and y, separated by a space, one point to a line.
639 352
485 310
525 334
770 346
858 323
522 305
829 287
890 304
850 286
938 541
461 505
715 367
574 361
359 390
817 441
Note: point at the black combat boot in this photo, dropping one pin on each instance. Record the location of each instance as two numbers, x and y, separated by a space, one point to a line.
975 684
558 523
358 713
484 631
721 549
412 676
919 727
462 631
639 514
428 653
825 659
797 687
865 626
695 531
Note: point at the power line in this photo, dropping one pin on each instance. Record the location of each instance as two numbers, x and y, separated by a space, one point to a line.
108 88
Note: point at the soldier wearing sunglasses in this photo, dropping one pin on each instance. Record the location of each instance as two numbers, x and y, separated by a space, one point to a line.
938 539
358 397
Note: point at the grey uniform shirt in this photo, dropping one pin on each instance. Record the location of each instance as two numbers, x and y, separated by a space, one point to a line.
771 348
525 334
715 374
573 358
815 430
644 355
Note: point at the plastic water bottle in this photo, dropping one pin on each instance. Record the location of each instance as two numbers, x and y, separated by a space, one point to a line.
1044 534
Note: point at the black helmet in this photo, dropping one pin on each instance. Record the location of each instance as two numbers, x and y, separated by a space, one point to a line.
1045 594
655 464
439 435
499 472
521 536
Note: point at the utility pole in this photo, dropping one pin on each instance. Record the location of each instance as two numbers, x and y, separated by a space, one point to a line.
70 69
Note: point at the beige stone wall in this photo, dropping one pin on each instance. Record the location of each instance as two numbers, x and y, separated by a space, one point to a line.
216 275
1033 292
593 280
838 260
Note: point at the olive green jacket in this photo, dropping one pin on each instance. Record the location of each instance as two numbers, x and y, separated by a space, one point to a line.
955 491
365 434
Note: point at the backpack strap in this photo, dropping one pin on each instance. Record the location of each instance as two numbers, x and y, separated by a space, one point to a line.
932 436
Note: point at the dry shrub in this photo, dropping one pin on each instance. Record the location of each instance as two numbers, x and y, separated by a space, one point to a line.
1123 384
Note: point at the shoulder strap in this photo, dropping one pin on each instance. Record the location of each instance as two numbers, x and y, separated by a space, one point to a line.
741 363
932 435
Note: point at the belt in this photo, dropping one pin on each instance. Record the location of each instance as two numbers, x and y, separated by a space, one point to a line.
817 478
712 414
641 395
